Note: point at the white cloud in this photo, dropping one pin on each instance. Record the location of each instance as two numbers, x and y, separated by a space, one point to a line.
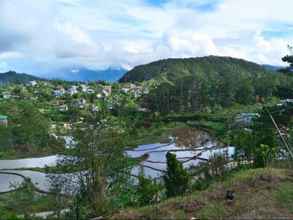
3 67
98 33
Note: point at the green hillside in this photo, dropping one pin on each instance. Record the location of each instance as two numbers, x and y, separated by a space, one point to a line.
199 84
258 194
174 68
17 78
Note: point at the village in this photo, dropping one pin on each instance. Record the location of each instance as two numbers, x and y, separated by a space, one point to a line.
67 104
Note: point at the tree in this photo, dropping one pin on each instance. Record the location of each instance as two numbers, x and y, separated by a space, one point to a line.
28 128
245 92
100 161
288 59
31 127
259 144
176 179
147 190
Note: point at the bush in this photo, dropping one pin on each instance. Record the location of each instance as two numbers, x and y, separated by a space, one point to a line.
147 191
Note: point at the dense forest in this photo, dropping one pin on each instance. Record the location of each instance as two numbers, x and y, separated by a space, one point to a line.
197 84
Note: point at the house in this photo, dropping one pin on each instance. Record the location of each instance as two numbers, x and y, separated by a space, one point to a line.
143 109
80 103
95 108
137 91
6 95
84 88
63 108
125 90
128 87
99 95
69 142
146 91
246 119
59 92
72 90
90 91
67 126
3 120
107 91
32 83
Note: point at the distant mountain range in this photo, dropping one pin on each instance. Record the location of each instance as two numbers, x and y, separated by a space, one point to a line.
17 78
272 67
70 74
85 74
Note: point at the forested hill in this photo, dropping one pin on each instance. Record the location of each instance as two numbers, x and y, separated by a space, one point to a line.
174 68
17 78
198 84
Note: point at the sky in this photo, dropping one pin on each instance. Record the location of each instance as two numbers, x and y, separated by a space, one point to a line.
42 36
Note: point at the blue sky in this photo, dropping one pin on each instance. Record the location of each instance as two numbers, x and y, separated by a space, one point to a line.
41 37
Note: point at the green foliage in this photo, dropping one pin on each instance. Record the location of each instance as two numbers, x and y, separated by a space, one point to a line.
147 191
217 164
258 144
6 216
27 129
25 201
100 155
288 59
190 85
176 179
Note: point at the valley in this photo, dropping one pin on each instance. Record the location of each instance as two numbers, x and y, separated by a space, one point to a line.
168 129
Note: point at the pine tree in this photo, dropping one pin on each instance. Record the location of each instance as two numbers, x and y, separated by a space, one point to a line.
288 59
176 179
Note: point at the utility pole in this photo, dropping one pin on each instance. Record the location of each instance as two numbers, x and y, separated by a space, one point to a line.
286 144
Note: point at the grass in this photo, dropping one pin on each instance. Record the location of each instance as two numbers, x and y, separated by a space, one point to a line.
259 193
19 202
284 196
26 200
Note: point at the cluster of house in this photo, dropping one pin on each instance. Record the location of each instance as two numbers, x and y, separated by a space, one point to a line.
60 91
136 90
105 91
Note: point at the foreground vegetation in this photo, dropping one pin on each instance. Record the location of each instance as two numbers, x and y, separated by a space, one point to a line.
259 194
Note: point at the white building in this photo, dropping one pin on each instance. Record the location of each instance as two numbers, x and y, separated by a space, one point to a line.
72 90
107 91
84 88
33 83
63 108
6 95
59 92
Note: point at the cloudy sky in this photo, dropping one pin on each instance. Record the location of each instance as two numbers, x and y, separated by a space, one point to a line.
40 36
